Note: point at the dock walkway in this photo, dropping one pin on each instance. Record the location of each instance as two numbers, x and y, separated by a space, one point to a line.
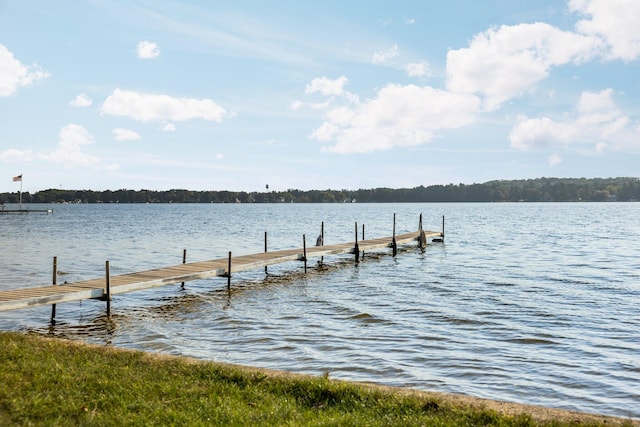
103 288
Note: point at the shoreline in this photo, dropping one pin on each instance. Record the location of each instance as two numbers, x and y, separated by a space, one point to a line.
538 414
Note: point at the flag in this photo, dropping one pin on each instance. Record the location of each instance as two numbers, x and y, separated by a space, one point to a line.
17 178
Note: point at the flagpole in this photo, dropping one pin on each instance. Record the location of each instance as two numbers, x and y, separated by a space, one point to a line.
20 194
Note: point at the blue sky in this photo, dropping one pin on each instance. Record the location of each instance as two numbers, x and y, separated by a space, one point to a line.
235 95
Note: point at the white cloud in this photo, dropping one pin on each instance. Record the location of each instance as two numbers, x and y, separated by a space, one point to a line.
69 150
505 62
417 69
597 120
121 134
399 116
326 86
219 156
13 155
147 50
13 74
314 106
296 105
169 127
554 159
383 56
145 107
81 100
540 132
409 21
615 21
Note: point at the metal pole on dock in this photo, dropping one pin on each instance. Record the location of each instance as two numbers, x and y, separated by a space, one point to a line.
184 261
443 228
363 240
54 282
229 273
394 244
108 283
356 249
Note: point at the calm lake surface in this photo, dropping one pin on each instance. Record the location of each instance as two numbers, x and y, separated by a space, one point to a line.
524 302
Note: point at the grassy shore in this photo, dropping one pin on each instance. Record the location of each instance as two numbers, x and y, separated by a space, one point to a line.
56 382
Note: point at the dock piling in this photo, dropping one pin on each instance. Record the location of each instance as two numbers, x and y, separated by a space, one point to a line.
229 273
322 240
394 243
266 270
184 261
304 251
108 287
356 249
54 282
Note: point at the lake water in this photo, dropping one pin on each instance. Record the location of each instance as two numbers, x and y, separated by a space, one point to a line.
530 303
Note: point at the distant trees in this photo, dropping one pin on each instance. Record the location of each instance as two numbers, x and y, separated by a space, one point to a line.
530 190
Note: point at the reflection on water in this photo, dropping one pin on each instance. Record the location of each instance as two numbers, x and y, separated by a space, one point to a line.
534 303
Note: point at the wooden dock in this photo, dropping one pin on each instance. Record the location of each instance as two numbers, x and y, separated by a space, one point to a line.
103 288
25 211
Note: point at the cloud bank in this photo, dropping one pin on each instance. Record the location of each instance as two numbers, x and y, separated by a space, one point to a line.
399 116
596 120
67 153
499 65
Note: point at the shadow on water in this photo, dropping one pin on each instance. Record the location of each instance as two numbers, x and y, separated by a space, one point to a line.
100 328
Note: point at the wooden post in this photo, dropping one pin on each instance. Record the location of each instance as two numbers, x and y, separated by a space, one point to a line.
304 252
265 251
322 240
108 290
229 273
356 249
443 228
394 244
184 261
54 282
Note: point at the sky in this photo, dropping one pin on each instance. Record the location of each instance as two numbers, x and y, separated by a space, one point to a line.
240 95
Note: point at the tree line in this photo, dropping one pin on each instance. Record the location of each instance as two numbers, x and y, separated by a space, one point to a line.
530 190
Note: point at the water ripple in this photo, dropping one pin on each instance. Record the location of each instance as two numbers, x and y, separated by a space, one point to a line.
533 303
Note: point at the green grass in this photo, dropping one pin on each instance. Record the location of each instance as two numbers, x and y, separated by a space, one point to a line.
56 382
